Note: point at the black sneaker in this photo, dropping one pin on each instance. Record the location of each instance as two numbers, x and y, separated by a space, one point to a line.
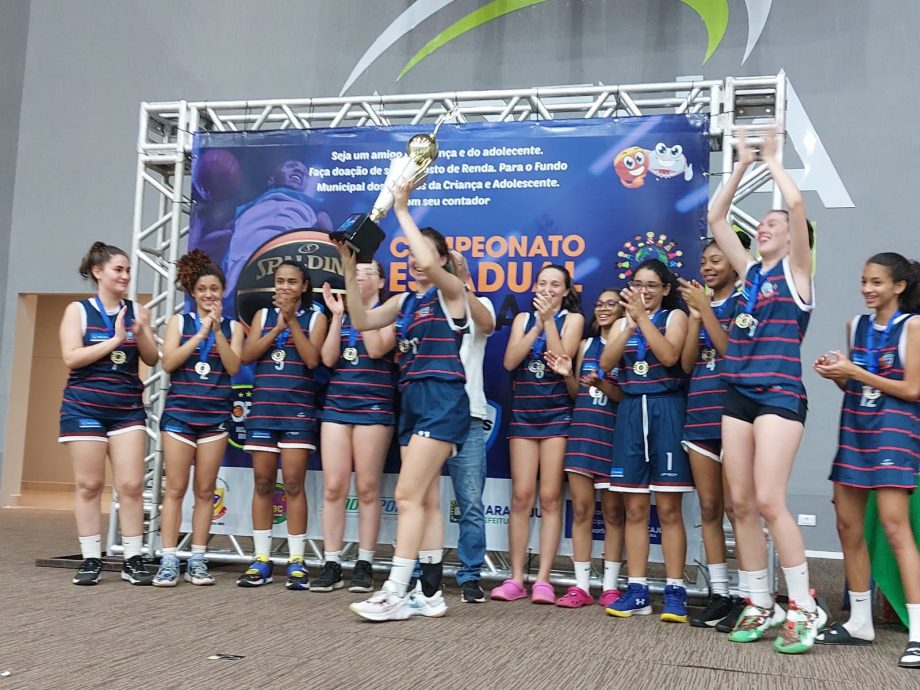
135 572
89 573
362 577
727 624
329 579
471 592
719 607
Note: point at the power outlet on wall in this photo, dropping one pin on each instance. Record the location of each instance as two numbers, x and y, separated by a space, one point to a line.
807 520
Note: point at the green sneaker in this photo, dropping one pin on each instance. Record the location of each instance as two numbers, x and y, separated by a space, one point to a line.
754 622
800 630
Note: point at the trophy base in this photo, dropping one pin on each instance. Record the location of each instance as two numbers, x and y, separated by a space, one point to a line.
360 233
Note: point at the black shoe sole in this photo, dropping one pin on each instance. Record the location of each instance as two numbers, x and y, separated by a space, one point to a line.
246 583
326 588
695 623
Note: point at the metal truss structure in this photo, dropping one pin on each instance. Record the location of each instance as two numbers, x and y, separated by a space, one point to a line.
162 201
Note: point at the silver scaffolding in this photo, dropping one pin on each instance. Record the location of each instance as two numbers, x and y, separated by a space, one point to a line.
162 200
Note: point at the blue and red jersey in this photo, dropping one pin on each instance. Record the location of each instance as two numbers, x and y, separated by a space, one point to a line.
429 340
658 379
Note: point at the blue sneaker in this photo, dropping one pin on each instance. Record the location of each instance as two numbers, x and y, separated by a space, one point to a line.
259 573
634 602
675 604
297 578
197 572
168 573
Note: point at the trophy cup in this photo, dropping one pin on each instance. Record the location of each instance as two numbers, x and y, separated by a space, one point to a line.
361 231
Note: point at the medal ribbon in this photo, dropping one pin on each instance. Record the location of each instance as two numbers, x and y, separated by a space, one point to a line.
349 331
539 345
876 342
591 363
106 319
409 307
719 311
756 283
203 352
282 337
641 344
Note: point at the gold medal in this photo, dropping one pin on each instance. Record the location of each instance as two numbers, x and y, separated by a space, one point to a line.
278 355
640 368
350 354
870 393
118 357
404 345
708 354
537 368
202 369
744 320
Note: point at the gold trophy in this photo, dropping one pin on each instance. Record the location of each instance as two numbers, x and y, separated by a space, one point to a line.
361 231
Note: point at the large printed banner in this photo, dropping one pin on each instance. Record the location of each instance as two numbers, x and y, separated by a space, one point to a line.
598 196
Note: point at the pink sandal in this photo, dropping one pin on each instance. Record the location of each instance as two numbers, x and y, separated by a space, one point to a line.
509 590
574 598
608 597
542 593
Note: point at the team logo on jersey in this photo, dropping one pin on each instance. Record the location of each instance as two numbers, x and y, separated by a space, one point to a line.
310 248
887 359
424 311
649 246
89 424
767 289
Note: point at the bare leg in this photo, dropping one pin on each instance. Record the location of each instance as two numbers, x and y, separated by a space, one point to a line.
583 504
673 534
294 473
126 453
177 457
89 478
707 477
207 464
738 464
637 511
336 459
421 465
552 452
265 474
525 461
371 444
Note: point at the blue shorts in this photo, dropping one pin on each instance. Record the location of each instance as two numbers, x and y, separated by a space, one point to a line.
647 450
273 440
192 434
434 409
100 428
711 448
360 418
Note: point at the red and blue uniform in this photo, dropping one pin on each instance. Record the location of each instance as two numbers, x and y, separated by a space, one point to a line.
647 450
540 402
198 403
879 444
103 398
432 379
283 412
764 359
361 390
706 394
589 448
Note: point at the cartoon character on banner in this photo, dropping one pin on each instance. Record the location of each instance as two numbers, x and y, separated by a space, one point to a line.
633 164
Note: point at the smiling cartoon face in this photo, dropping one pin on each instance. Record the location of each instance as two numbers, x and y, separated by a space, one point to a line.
669 161
631 166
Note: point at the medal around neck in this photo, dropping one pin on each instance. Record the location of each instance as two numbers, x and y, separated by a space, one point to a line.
361 231
118 357
278 355
350 354
202 369
640 368
744 320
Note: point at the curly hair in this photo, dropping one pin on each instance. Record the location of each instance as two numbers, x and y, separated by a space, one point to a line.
194 266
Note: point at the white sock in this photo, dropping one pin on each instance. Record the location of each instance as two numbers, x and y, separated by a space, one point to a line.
860 623
583 575
296 544
262 543
430 556
637 581
913 619
611 574
91 547
332 556
797 587
366 555
759 589
198 550
401 572
169 552
132 545
744 585
674 582
718 578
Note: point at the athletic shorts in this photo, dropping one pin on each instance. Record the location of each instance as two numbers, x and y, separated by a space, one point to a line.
434 409
192 434
711 448
79 428
273 440
740 406
647 451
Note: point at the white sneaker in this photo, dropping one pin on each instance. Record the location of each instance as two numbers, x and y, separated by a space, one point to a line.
430 607
386 605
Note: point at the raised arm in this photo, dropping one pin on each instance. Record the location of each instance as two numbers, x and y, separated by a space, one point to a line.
482 316
332 344
722 231
361 318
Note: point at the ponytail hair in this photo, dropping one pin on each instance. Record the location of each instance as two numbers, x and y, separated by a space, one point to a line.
194 266
593 328
672 299
571 302
306 297
97 257
903 270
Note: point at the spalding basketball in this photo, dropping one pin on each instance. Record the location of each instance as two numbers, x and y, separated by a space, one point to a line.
216 175
309 247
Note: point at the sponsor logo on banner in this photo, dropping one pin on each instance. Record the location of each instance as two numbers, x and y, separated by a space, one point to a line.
310 248
654 526
219 508
279 505
454 512
387 506
597 523
241 400
492 422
